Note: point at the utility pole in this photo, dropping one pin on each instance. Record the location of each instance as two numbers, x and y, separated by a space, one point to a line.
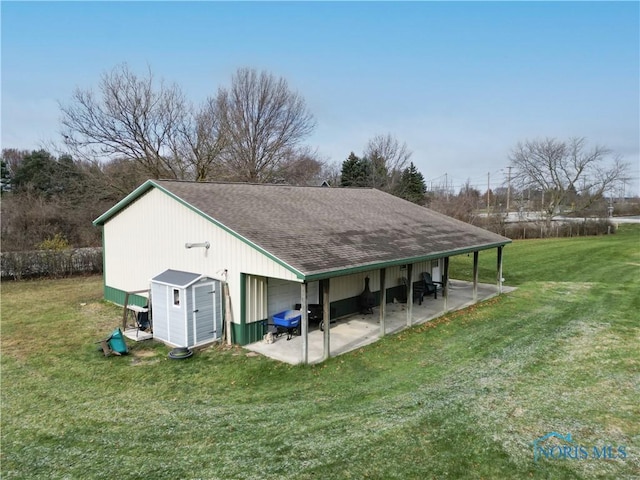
446 187
488 189
508 188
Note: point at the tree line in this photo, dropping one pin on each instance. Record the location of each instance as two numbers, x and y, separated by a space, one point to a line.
135 127
49 201
132 128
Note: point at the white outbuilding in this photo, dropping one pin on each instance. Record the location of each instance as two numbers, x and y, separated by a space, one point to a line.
269 248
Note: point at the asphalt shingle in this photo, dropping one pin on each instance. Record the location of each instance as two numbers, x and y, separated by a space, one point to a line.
317 230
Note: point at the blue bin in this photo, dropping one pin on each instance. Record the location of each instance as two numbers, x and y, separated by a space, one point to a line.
288 318
117 343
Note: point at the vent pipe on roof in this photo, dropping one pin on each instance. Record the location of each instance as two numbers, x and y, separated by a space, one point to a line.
192 245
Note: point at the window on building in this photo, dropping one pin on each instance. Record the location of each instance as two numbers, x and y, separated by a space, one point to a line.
176 297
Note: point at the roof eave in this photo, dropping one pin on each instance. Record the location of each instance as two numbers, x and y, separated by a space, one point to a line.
392 263
125 202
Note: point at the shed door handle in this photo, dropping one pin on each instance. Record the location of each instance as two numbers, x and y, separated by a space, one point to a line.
196 311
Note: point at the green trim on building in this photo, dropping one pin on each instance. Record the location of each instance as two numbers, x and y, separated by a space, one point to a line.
235 333
351 305
249 333
116 296
126 201
254 331
405 261
346 306
398 292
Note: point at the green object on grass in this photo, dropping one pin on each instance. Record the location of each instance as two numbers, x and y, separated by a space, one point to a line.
117 343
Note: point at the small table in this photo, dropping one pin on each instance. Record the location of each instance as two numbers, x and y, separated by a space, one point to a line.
132 312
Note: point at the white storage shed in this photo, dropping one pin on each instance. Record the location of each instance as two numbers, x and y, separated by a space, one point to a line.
187 308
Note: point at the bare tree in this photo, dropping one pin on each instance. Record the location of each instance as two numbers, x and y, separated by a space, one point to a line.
201 143
388 160
262 121
300 167
129 118
330 173
566 172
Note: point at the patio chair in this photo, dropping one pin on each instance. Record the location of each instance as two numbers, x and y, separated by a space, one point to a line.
418 290
430 286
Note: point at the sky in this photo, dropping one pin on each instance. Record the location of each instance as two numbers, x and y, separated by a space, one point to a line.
461 83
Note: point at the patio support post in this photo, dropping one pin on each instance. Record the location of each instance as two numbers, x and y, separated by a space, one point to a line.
475 276
383 300
445 283
326 317
500 269
409 294
304 323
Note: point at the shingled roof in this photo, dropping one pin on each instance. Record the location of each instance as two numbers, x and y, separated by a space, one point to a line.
319 232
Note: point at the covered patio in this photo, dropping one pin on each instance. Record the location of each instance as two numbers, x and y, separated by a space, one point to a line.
355 331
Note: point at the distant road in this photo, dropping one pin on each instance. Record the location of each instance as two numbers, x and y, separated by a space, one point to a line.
626 219
515 217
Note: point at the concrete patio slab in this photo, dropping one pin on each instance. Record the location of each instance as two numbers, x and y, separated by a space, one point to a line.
356 331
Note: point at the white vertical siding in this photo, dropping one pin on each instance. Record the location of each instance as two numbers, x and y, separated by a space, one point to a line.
353 285
394 276
148 237
256 298
420 267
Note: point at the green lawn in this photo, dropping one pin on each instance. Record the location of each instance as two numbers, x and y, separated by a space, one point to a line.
463 396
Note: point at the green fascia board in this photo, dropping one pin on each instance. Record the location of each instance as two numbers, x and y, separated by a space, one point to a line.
405 261
117 296
149 184
125 202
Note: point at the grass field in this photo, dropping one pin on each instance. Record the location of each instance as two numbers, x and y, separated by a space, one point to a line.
464 396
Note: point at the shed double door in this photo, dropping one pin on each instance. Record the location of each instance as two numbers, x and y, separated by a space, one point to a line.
207 318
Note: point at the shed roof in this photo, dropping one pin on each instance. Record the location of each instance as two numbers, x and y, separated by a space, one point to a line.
176 278
318 232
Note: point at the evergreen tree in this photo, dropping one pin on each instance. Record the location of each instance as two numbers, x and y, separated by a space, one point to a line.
356 172
39 172
379 172
412 186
